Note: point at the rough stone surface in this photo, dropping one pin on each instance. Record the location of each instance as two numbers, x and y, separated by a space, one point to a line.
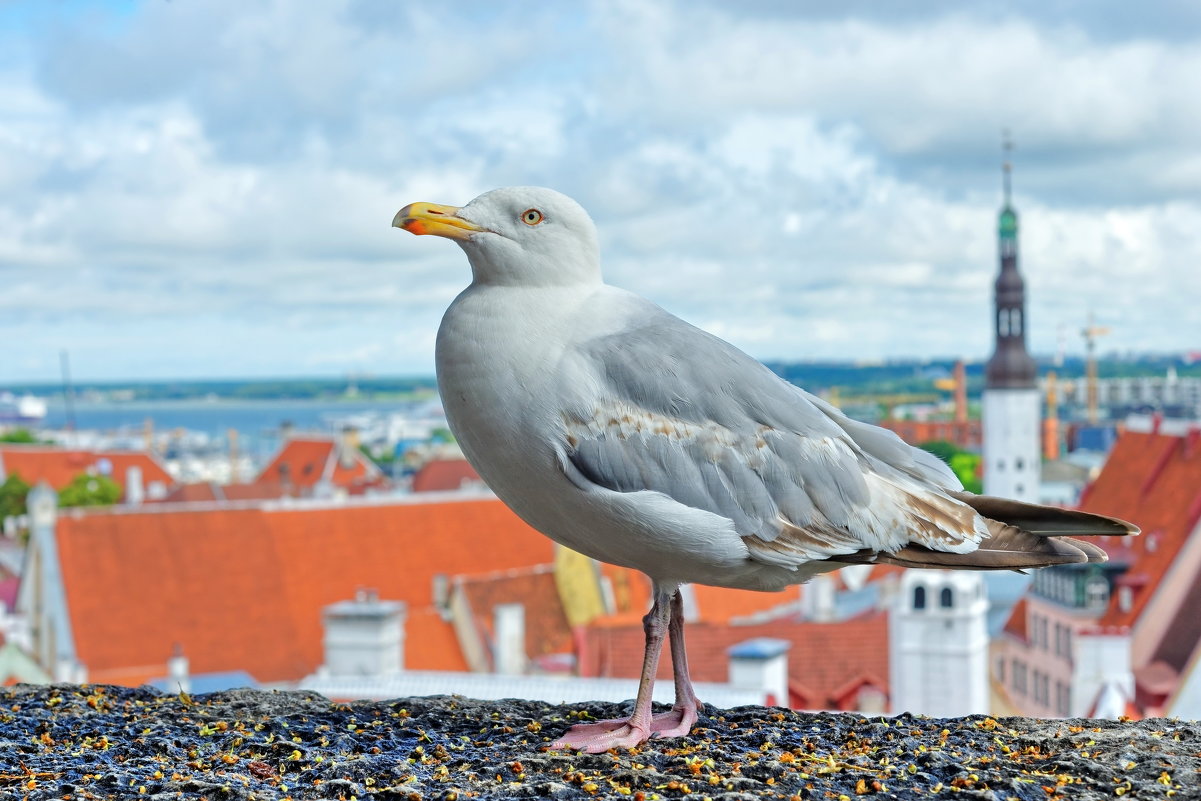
93 741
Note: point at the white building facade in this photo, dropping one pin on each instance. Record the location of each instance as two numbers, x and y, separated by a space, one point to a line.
938 644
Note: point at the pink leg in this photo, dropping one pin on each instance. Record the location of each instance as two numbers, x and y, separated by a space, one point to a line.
636 729
679 721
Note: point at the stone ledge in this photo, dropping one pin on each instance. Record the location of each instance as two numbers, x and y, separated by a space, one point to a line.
94 741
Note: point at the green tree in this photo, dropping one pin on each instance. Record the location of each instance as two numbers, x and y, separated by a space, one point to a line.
88 490
441 435
964 464
18 436
13 493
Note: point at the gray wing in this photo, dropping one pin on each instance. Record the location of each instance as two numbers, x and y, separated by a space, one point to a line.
678 411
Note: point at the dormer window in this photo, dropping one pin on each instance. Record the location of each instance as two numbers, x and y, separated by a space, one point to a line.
1125 598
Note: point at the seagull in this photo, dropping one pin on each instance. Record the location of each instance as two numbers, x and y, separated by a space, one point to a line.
624 433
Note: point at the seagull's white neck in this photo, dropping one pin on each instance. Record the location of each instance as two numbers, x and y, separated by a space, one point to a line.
496 261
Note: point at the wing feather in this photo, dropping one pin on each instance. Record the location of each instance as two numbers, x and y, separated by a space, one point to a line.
672 409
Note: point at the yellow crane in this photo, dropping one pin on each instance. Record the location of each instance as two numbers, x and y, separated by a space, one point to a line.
1090 334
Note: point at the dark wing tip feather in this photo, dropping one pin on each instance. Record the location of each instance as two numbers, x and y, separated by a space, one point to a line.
1048 521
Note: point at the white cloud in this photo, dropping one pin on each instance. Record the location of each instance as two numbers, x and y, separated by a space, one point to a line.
807 185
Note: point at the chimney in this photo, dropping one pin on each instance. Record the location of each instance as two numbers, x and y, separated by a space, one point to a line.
365 636
348 447
232 436
177 670
440 591
817 600
135 490
761 664
508 633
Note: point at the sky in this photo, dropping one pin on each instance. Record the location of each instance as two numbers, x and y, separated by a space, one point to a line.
204 188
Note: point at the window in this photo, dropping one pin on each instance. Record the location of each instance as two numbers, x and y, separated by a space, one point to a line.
919 597
946 599
1019 677
1096 592
1001 670
1125 598
1019 464
1015 321
1063 699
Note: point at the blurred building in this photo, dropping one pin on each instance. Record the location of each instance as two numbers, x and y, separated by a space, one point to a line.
1122 637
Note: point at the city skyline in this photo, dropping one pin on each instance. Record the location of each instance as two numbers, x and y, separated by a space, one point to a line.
205 190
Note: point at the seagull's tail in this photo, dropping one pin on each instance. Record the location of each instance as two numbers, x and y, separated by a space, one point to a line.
1020 535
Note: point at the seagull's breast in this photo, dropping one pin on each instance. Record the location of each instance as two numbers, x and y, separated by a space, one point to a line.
496 355
510 377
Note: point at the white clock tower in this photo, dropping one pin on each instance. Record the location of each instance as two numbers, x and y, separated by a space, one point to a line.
1012 455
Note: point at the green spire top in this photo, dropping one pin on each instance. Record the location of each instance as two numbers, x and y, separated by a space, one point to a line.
1007 226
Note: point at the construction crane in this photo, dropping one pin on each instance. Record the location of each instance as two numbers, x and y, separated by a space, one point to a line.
1090 334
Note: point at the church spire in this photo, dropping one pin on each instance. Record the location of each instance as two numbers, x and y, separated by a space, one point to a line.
1006 167
1011 365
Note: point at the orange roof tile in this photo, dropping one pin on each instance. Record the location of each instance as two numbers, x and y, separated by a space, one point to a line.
718 604
304 461
632 594
243 589
445 474
212 492
822 658
194 492
431 642
1154 481
58 466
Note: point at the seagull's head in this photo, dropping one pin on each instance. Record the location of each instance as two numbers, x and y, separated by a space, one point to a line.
518 236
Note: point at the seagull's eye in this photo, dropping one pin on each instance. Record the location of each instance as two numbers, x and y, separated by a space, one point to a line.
531 216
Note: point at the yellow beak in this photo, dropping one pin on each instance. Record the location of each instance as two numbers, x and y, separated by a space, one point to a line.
430 218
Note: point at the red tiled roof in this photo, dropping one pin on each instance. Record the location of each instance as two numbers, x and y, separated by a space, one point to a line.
1154 481
445 474
823 657
718 604
304 461
243 589
632 593
58 466
546 627
194 492
212 492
